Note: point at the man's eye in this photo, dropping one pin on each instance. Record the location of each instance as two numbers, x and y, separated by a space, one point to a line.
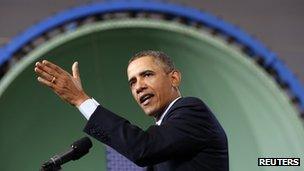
147 74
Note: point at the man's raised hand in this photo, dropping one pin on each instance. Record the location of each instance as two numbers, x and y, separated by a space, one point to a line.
68 87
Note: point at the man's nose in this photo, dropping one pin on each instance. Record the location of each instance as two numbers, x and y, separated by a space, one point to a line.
140 86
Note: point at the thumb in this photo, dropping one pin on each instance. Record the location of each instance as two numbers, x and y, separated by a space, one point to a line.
75 70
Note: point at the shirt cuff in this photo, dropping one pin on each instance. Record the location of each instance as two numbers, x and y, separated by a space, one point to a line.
88 107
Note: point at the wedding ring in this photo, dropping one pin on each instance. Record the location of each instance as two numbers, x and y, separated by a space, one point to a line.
53 80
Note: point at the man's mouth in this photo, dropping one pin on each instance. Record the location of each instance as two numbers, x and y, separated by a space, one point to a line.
145 99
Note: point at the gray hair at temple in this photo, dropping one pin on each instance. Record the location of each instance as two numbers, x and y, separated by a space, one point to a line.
161 57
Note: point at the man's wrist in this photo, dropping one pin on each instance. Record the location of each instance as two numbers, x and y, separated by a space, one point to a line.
88 107
83 98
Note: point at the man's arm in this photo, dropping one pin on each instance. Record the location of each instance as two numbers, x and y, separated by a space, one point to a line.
184 134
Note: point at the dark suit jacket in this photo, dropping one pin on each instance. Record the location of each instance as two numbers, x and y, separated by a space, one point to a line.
189 138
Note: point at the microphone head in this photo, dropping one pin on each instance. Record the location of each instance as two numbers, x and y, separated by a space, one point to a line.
81 147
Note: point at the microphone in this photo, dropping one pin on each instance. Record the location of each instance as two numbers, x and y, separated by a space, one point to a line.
78 149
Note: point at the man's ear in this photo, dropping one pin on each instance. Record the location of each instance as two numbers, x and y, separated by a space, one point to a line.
176 78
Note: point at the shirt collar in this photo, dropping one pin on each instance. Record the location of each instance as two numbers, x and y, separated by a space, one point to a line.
167 109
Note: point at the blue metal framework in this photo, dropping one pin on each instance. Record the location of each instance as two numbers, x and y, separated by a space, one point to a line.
191 15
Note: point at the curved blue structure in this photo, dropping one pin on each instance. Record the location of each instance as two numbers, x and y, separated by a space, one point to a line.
192 15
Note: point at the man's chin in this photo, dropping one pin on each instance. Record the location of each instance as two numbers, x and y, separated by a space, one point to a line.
149 112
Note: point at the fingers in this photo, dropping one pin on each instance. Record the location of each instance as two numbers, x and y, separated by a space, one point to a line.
75 70
44 74
46 69
45 82
53 66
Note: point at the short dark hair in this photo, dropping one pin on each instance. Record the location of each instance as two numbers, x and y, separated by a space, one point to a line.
159 56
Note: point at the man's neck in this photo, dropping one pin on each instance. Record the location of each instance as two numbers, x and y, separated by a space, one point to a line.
163 112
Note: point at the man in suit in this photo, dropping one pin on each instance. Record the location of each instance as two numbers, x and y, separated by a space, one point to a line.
187 136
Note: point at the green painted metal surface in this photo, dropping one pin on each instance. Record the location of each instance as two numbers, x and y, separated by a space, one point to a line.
35 124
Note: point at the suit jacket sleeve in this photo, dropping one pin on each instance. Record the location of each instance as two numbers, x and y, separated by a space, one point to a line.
187 130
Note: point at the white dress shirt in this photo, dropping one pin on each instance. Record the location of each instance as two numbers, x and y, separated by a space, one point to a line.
88 107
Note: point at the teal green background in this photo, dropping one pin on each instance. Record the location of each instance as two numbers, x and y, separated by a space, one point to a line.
35 124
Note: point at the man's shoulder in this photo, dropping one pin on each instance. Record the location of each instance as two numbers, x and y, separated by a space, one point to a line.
191 99
188 101
191 108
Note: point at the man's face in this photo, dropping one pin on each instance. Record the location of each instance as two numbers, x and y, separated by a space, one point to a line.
152 88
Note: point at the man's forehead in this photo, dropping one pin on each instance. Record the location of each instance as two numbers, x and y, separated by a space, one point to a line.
141 64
